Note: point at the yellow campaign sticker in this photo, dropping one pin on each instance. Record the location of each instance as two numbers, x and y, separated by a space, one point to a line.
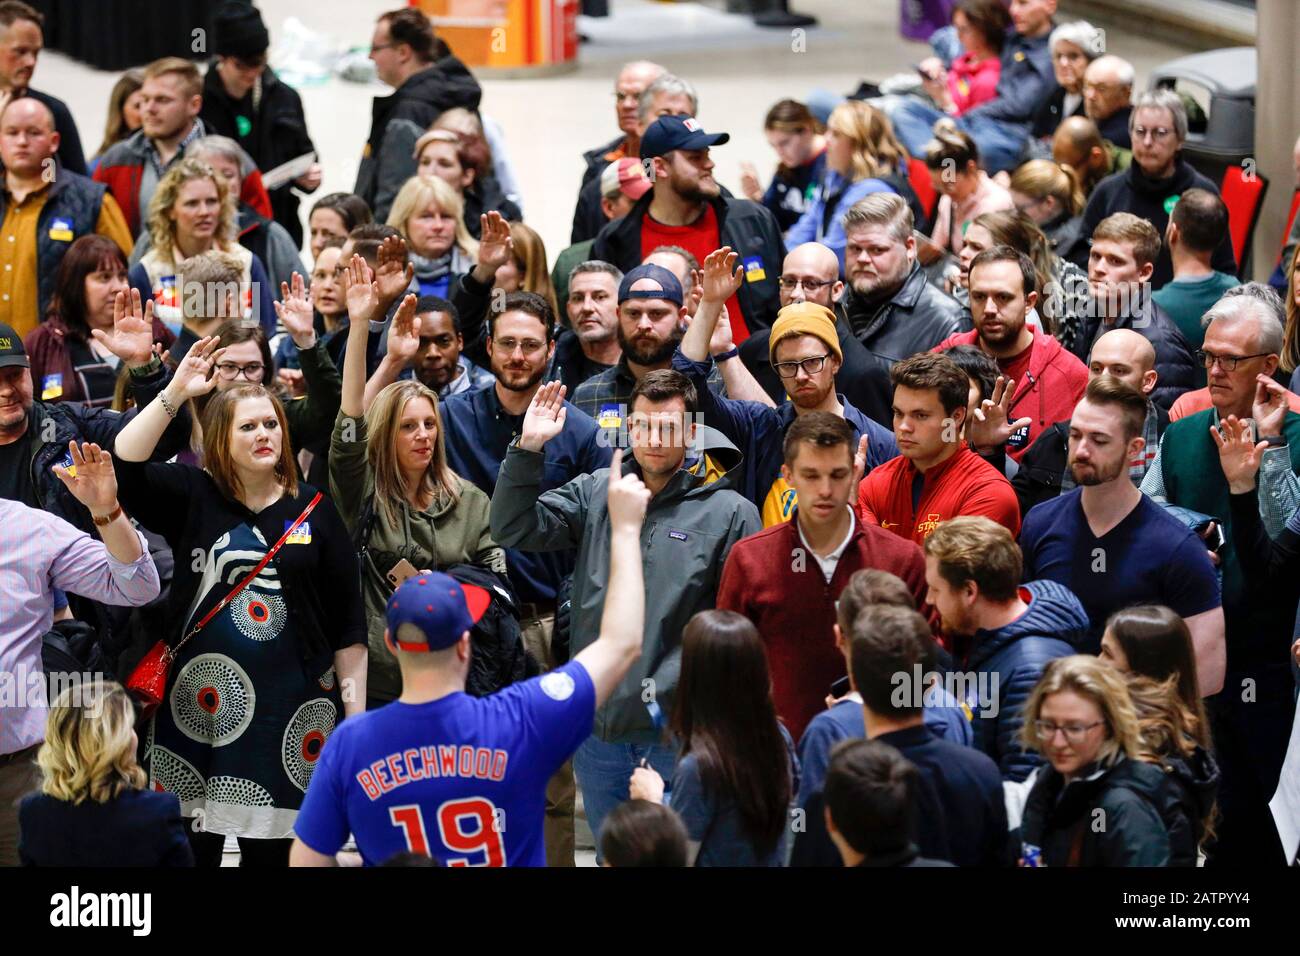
61 229
51 386
754 269
301 534
609 417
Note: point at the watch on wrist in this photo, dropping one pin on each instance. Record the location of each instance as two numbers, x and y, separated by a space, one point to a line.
144 371
1274 441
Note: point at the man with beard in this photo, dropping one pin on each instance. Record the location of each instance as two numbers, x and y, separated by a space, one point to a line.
686 208
478 427
1115 547
890 306
1002 633
1046 380
805 351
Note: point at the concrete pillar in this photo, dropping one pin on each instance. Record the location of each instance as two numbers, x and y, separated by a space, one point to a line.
1277 123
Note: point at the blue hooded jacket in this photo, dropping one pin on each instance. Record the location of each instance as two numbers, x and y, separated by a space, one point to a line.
1017 653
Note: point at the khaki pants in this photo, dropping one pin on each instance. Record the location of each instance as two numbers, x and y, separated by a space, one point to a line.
561 791
19 776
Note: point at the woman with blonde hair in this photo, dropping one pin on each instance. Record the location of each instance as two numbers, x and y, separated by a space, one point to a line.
191 212
94 808
1052 196
862 157
264 614
1081 718
430 214
391 481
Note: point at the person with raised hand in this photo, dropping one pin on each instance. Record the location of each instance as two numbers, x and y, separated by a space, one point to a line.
391 481
264 672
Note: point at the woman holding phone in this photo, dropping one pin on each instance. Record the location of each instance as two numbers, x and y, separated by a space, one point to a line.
264 615
390 478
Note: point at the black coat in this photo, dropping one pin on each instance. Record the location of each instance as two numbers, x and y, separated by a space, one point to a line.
1050 113
278 134
588 219
499 658
137 828
1133 191
1109 816
1191 784
915 319
748 228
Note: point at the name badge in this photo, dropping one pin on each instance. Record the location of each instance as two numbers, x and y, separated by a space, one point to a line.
61 229
52 387
754 269
301 534
610 416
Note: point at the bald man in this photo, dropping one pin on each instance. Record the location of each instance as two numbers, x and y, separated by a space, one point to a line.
1079 144
811 273
1108 97
1044 468
44 208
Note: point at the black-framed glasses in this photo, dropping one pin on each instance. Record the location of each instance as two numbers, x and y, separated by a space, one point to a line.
376 47
1227 362
810 366
790 283
232 370
1074 733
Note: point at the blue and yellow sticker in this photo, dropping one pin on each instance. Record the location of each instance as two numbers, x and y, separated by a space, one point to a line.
301 534
52 387
66 463
61 229
610 416
754 269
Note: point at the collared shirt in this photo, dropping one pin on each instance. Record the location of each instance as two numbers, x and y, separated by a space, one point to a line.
829 562
154 168
467 379
606 397
39 552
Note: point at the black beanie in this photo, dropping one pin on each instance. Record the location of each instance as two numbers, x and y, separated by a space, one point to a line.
238 30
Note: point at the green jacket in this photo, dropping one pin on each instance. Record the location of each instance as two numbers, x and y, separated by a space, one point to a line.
311 418
689 529
450 532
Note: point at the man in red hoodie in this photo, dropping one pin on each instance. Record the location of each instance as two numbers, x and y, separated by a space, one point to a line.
787 578
1046 380
936 476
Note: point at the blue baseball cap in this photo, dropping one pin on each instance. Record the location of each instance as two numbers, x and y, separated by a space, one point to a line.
677 131
669 287
440 606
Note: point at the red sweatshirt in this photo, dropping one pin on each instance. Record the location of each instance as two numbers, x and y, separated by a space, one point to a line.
965 484
773 580
1047 395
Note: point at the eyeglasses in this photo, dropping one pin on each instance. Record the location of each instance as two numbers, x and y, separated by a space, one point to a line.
231 371
1074 733
529 346
376 47
1158 132
810 366
1227 362
790 283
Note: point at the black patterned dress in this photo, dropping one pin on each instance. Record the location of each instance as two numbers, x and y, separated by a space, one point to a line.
246 712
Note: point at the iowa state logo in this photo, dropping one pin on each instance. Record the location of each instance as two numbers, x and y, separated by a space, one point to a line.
929 524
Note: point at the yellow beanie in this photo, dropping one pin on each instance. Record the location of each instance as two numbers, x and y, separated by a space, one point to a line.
805 318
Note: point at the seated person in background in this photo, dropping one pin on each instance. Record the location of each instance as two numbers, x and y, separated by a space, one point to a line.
972 79
1050 194
1107 98
1078 143
1073 46
643 833
871 806
965 189
1196 226
795 134
94 808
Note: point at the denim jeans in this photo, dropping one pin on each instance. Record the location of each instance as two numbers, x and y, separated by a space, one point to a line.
604 769
1000 143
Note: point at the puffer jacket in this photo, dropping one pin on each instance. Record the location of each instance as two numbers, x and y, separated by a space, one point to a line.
690 527
1061 818
399 119
1176 368
915 319
1190 787
1015 655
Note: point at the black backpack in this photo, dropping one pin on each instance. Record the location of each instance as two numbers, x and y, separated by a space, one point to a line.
499 658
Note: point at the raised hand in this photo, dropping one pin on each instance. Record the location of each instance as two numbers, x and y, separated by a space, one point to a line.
404 334
722 274
628 497
1239 453
495 247
361 292
91 478
860 461
131 338
989 427
544 418
194 376
295 312
1269 407
749 184
393 271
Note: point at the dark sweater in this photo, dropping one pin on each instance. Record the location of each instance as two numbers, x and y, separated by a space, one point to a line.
136 828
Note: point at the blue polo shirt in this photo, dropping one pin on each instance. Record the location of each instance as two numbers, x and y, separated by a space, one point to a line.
477 430
1148 558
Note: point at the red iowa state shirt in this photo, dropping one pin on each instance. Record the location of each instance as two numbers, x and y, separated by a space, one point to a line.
965 484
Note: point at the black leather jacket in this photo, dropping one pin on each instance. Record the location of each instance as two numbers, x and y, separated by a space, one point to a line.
916 319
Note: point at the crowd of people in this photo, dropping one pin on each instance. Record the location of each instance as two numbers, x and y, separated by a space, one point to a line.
936 504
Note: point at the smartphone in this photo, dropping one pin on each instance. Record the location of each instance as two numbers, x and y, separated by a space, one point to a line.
400 571
840 687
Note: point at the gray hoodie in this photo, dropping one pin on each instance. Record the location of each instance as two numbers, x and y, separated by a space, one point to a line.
689 529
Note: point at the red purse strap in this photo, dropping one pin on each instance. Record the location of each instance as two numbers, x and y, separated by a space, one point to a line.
214 611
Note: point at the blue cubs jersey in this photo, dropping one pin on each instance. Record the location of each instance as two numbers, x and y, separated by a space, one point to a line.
462 779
